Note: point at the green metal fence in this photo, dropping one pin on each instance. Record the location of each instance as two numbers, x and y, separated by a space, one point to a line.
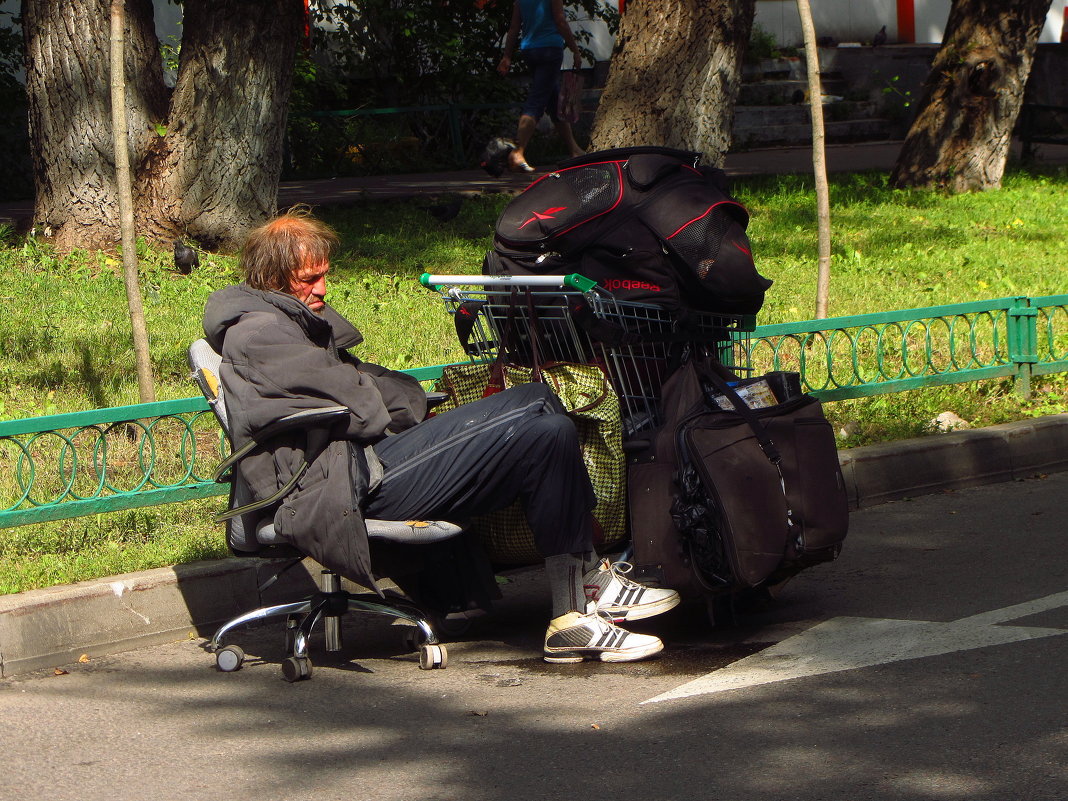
875 354
82 463
367 141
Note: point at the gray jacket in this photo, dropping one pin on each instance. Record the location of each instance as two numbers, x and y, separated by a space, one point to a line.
279 357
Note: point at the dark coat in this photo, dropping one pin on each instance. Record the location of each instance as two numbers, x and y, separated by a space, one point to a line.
279 357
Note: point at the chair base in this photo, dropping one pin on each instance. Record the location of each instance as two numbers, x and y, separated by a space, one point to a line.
328 605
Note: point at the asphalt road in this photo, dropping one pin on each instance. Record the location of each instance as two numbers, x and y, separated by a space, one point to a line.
926 663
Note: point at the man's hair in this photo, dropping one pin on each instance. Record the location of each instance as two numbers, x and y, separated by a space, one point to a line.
281 246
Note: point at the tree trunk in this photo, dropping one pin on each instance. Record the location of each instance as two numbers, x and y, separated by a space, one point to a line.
674 76
69 99
214 175
207 157
961 136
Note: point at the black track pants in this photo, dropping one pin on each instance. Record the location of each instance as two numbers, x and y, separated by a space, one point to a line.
483 456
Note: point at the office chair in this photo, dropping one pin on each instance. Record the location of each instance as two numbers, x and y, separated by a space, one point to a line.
250 532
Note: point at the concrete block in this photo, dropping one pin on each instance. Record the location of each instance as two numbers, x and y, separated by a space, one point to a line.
1039 445
894 470
847 460
56 625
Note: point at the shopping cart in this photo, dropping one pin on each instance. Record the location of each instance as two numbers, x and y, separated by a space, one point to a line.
570 318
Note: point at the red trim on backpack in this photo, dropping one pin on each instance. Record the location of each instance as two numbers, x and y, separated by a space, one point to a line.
619 198
705 214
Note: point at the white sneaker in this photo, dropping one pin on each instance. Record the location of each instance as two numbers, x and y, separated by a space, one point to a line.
575 637
615 594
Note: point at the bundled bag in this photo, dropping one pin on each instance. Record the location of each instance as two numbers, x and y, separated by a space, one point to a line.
569 100
592 404
649 224
732 498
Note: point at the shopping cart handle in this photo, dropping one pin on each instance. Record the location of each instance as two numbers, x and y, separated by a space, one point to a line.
572 281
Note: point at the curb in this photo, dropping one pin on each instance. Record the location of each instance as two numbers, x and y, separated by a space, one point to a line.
55 626
1014 451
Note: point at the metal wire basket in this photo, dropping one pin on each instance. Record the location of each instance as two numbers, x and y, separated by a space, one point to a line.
569 318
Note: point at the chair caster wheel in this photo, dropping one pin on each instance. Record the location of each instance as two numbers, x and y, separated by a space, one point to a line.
433 657
296 668
229 658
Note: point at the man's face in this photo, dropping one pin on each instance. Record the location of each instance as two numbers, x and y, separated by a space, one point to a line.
308 285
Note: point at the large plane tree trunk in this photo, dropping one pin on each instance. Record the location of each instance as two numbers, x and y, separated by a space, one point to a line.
67 87
206 156
215 172
963 129
674 76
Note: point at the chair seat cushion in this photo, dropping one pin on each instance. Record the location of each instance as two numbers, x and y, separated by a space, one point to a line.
413 532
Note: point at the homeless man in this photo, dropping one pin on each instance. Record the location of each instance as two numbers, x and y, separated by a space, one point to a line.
285 349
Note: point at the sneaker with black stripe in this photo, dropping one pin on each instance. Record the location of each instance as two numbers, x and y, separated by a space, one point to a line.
575 637
617 595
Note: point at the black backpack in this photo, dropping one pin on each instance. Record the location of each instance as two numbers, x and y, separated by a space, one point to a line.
647 223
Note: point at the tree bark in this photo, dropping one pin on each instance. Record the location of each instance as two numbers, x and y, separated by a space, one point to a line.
961 136
214 174
674 76
206 157
69 100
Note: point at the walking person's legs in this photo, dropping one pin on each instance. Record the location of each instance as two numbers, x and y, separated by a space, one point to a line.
563 128
544 64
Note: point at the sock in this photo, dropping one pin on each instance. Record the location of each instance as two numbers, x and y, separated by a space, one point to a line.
565 583
590 560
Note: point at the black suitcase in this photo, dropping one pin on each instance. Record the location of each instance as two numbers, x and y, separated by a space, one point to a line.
724 500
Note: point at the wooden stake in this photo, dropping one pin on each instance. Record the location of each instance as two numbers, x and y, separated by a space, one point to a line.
819 160
146 384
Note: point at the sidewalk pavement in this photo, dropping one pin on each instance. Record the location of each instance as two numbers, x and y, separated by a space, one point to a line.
852 157
58 625
926 664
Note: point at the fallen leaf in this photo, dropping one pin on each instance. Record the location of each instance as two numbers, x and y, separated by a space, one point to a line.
60 672
475 713
595 725
83 658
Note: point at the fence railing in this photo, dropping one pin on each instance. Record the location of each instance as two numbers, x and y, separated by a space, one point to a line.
105 460
874 354
373 140
1041 124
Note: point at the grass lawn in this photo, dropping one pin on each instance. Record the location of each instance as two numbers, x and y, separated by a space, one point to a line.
65 343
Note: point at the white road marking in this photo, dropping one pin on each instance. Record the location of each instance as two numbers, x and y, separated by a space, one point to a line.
848 643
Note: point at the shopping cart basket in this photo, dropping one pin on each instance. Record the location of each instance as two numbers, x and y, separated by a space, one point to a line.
570 318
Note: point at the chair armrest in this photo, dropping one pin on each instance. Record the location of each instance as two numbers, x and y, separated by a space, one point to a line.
308 418
435 399
303 419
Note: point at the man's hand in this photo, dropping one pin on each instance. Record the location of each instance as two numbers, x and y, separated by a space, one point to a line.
504 66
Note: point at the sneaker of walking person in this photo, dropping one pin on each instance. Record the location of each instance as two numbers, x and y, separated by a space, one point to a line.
576 637
617 596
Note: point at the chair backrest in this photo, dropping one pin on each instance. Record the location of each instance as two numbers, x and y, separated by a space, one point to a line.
205 364
247 533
